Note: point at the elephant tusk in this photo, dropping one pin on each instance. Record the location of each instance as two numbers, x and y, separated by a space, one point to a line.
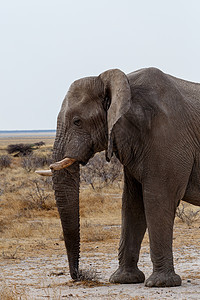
44 172
59 165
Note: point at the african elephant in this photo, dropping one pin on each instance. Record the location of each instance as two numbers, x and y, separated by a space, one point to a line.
151 122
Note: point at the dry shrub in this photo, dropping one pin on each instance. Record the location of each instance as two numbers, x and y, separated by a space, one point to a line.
39 195
23 149
2 225
99 173
186 214
25 195
5 161
13 181
32 162
10 255
21 197
89 275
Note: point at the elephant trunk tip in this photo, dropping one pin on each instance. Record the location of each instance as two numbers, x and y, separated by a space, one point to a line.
75 275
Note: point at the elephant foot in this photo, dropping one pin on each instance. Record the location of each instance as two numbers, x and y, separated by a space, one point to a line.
163 280
122 275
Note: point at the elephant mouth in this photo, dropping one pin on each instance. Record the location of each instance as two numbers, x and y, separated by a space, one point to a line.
65 163
59 165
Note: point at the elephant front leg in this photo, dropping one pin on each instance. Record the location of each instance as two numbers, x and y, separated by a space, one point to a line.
133 230
160 213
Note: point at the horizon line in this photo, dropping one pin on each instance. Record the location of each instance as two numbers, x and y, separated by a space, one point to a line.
25 130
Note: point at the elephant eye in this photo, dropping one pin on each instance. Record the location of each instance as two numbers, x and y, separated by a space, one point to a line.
77 122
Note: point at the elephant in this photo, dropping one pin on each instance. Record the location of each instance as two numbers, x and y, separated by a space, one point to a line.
151 122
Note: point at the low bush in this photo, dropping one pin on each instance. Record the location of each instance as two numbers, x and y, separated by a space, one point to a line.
187 215
39 196
23 149
99 173
89 275
32 162
5 161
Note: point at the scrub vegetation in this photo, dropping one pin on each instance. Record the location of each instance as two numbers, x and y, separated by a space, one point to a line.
26 197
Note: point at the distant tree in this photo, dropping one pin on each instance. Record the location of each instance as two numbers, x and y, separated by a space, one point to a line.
39 144
23 149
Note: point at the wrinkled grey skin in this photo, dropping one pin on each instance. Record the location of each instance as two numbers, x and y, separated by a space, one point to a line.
151 122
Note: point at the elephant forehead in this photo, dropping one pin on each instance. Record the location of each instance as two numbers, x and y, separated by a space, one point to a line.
74 101
82 103
83 98
84 107
87 88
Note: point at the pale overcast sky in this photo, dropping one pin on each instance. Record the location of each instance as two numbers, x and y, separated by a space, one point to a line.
46 44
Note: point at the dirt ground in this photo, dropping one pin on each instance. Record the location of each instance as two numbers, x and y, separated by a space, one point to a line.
44 274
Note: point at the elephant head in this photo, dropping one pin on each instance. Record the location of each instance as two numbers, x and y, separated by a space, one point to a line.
85 125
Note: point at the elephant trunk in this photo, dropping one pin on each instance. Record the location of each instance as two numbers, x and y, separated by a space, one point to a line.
66 186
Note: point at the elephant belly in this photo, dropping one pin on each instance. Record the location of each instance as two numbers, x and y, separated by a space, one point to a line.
192 194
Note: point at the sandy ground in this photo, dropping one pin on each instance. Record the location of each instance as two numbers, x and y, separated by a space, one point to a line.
43 276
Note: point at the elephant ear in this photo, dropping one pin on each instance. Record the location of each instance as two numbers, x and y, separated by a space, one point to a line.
117 101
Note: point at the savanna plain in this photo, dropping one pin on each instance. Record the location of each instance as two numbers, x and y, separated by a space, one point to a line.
33 261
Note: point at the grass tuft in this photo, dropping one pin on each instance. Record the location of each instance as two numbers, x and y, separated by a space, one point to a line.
89 275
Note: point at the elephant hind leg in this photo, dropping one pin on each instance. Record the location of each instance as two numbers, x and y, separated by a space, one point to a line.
163 280
133 230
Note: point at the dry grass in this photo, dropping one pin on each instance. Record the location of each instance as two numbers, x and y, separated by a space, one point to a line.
27 207
29 202
8 293
21 197
33 221
100 203
24 197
